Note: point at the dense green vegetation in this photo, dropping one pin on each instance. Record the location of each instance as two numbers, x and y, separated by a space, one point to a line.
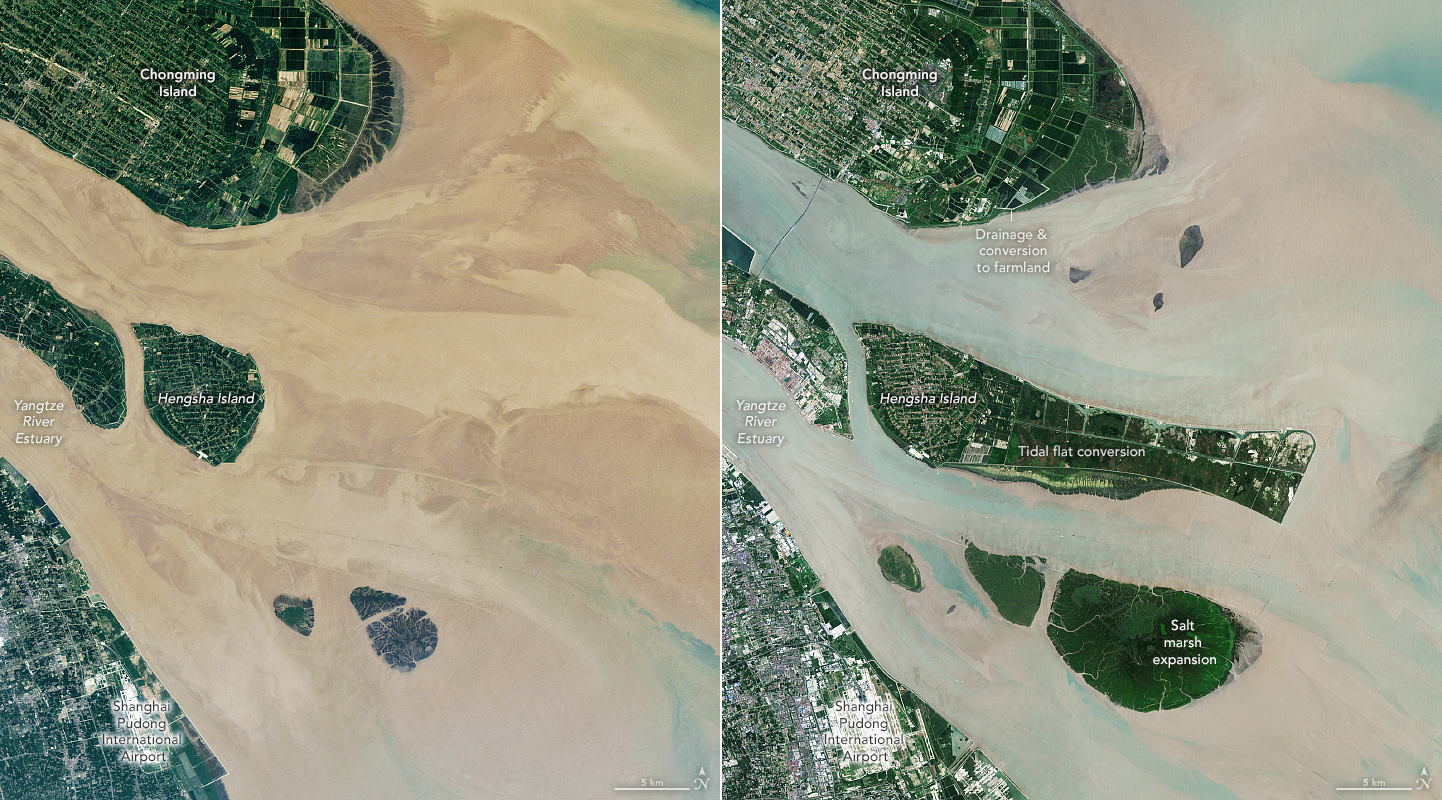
368 602
78 344
979 107
1146 648
829 611
1014 583
938 732
204 396
259 106
1102 153
799 574
948 409
404 637
897 566
296 612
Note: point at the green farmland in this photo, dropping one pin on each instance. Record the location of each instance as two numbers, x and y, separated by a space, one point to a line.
981 107
204 396
77 343
948 409
259 108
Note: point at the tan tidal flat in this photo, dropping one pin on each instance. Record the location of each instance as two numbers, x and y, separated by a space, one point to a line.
490 387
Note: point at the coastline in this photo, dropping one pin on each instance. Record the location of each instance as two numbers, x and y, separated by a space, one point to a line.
378 134
1281 322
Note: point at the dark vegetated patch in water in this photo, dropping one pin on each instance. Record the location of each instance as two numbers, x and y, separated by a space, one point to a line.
404 637
897 566
1014 583
368 602
1119 638
1191 244
296 612
735 250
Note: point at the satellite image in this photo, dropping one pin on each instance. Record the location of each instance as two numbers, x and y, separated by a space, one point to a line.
413 298
739 399
1134 309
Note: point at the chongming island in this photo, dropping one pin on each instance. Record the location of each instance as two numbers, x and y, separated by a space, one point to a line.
214 113
936 112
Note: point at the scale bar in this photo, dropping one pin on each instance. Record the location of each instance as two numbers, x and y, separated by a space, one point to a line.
1375 788
653 788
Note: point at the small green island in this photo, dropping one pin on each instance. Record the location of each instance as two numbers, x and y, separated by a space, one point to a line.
899 568
296 612
1145 648
206 397
1014 583
368 602
213 114
77 343
948 409
404 638
1190 245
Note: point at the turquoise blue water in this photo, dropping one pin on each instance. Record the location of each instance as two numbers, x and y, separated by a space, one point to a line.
735 250
1414 70
713 6
946 572
1397 44
702 651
